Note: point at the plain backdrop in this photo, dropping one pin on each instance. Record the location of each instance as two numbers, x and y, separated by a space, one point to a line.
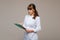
13 11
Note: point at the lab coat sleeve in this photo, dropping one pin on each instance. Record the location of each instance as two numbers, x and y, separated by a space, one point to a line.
24 21
38 25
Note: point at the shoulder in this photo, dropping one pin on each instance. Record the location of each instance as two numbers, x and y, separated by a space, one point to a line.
26 15
38 18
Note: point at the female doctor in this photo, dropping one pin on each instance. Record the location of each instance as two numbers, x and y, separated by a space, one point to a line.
31 23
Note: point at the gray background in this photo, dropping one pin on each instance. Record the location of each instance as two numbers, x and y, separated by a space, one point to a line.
12 11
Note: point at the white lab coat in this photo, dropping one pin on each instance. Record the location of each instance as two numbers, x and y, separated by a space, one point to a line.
34 24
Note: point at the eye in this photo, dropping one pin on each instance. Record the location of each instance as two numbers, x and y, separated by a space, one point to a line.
29 8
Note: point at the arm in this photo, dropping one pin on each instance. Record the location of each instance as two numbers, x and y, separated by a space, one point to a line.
24 22
38 25
24 25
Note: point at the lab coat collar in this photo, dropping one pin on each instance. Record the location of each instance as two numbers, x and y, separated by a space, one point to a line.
31 15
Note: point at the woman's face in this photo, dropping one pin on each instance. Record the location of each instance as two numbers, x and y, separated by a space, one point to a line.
30 11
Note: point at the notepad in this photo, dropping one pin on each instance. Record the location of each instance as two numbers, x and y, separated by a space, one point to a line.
19 25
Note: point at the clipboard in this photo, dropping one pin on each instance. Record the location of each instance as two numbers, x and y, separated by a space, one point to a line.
19 25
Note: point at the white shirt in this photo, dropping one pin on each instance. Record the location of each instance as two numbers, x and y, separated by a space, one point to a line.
30 23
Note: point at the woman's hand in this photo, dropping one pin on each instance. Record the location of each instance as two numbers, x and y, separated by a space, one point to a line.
27 30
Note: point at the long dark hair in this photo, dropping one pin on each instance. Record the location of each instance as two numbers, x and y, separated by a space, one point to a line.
34 7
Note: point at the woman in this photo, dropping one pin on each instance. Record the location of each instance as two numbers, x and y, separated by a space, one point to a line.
31 23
